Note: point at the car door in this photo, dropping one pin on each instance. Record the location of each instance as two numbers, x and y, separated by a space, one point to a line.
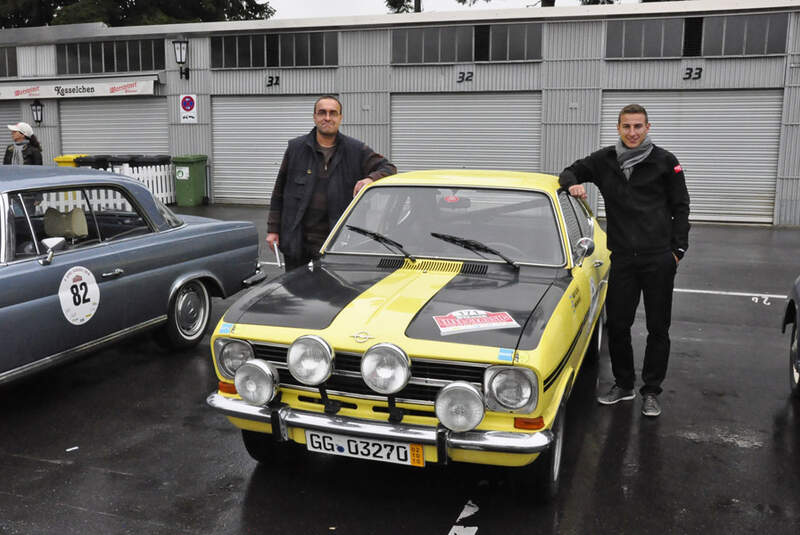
50 307
583 292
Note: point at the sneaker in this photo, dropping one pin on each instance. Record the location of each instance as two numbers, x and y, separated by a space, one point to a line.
650 405
615 395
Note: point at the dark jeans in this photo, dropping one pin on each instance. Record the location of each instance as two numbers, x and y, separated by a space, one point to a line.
631 276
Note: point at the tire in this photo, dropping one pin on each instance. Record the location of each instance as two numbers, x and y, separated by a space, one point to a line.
794 364
188 316
547 468
596 343
261 446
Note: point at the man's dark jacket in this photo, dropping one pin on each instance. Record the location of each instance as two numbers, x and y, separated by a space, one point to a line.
30 155
300 169
647 214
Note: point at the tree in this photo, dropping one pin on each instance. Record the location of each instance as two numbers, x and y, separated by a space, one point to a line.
24 13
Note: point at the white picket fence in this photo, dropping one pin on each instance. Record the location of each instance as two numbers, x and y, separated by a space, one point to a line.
160 179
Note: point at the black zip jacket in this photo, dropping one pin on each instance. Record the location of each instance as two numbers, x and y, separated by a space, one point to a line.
300 169
30 155
647 214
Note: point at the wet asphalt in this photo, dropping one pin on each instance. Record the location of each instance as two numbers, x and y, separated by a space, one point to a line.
123 442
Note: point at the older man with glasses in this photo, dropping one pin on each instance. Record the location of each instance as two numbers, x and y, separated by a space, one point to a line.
320 174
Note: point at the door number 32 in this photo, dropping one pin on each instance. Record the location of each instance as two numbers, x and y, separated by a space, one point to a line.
464 76
693 73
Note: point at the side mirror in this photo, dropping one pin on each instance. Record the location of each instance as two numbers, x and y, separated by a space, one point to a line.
583 248
51 245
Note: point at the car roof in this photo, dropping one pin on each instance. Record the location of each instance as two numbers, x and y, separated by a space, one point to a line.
475 177
15 177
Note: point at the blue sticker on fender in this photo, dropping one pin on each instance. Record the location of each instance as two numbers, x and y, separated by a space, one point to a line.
226 328
505 354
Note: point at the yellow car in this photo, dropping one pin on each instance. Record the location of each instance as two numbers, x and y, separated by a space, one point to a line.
446 320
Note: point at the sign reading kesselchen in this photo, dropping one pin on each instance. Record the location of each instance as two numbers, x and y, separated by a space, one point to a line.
70 89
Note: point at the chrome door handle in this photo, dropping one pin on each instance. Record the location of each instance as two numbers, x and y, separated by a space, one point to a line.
116 273
598 263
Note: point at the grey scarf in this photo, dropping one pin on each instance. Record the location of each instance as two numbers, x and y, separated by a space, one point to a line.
16 158
627 157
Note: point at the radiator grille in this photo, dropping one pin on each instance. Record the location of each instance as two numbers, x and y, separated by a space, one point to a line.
427 376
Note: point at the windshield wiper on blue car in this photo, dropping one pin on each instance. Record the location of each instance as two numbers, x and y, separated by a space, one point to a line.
383 240
474 246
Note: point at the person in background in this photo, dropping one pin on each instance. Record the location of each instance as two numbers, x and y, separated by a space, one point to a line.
26 149
320 174
647 206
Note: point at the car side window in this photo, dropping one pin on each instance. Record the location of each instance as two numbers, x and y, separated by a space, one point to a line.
584 219
570 221
114 215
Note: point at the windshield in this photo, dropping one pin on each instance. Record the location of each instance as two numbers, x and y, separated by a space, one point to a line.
519 224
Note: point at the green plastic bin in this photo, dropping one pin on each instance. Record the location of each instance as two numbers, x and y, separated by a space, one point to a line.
190 179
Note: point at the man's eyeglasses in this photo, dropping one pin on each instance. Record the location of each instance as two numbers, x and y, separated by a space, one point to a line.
326 113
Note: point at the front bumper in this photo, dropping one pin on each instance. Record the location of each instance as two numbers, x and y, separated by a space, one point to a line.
284 417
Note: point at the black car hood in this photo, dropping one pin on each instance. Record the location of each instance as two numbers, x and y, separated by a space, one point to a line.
493 305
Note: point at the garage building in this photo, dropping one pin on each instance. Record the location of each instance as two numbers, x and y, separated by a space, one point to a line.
518 89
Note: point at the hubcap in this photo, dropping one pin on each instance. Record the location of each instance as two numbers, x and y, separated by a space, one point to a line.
190 310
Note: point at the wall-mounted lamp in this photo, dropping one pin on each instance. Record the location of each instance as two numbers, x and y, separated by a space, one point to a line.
36 109
181 49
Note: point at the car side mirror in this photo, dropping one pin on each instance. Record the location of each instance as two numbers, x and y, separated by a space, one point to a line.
583 248
51 245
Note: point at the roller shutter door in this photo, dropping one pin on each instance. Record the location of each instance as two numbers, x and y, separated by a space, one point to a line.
250 136
467 130
727 143
120 125
9 114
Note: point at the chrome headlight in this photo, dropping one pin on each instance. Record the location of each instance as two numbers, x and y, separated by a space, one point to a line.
231 354
511 389
310 360
459 406
386 368
257 382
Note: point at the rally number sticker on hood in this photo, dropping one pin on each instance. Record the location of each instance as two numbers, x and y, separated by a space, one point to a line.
79 295
460 321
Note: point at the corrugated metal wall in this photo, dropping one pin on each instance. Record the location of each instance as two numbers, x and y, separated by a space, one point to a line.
787 191
726 141
120 125
467 130
250 137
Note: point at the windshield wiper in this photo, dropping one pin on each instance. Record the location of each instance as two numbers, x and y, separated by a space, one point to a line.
474 246
383 240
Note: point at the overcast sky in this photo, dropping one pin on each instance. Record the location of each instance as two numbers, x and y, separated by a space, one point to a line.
298 9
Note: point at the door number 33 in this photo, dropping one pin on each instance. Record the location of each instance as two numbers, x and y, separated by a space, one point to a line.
693 73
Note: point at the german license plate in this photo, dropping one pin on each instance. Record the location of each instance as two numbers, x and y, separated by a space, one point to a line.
365 448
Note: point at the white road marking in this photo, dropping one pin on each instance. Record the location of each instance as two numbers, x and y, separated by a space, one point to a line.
469 510
737 294
462 530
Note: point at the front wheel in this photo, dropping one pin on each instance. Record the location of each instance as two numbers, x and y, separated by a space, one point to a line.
596 343
189 312
547 468
794 363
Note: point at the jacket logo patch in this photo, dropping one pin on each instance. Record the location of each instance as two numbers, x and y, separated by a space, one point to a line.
460 321
678 168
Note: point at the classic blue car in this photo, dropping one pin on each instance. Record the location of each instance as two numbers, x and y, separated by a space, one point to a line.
88 257
790 318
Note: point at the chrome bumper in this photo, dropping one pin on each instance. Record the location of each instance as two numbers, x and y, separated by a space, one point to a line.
285 417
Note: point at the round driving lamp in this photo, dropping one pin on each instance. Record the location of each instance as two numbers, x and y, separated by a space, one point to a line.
511 389
459 406
386 368
310 360
232 354
257 382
